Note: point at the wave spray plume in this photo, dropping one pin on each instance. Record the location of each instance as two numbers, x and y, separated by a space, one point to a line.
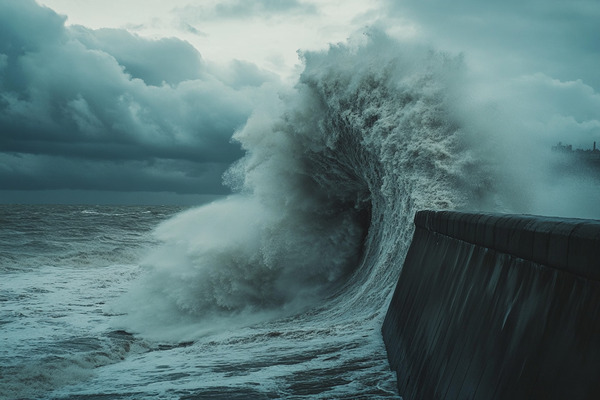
324 198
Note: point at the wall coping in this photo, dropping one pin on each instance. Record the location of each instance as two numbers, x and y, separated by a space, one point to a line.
568 244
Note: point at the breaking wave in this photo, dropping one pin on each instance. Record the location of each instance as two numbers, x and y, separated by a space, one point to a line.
323 201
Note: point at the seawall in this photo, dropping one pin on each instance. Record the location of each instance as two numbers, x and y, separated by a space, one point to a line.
492 306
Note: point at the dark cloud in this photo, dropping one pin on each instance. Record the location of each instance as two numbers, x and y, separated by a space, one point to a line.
70 196
47 172
107 110
26 26
168 60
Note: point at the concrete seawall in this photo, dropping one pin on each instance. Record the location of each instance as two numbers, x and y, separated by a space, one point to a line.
492 306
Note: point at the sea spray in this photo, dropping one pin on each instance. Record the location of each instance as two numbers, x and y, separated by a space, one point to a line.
333 172
279 290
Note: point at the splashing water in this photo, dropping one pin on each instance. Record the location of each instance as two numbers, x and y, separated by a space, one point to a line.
280 289
326 192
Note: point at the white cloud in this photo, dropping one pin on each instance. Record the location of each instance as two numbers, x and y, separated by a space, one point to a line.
263 32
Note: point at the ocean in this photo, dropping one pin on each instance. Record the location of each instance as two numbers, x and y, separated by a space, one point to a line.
278 290
61 265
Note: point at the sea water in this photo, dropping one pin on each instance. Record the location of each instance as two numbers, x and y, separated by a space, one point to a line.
278 290
61 265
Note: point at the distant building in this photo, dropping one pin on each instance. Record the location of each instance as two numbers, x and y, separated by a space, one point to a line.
579 160
565 148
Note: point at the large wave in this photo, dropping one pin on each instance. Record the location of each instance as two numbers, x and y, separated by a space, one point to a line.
324 198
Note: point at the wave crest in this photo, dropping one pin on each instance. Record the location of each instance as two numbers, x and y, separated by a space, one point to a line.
365 138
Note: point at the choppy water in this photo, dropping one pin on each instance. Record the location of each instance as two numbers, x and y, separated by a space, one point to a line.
61 265
279 290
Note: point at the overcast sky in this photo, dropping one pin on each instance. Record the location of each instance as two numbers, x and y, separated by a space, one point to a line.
135 101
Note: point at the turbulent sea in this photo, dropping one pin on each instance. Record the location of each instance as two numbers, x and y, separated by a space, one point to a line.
61 266
280 289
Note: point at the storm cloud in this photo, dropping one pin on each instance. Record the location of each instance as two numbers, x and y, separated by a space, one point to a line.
107 110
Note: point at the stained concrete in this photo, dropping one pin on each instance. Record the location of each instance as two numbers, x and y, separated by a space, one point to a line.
492 306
